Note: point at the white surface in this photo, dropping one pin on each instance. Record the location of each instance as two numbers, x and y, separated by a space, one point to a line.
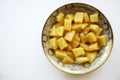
21 54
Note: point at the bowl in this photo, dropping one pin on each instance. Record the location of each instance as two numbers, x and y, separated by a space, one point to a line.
103 54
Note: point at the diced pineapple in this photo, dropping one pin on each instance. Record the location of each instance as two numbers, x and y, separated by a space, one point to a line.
77 27
83 38
91 56
53 43
93 47
52 31
84 46
68 60
99 31
60 18
84 25
94 17
57 25
81 60
69 36
67 24
94 28
60 54
70 17
70 54
78 18
62 43
102 40
74 43
86 30
77 37
86 17
68 48
91 37
59 31
78 52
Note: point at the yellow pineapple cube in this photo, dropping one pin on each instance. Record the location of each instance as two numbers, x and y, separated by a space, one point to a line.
91 56
52 31
60 54
59 31
68 60
94 17
83 38
99 31
60 18
68 48
94 28
69 36
91 37
93 47
81 60
84 46
70 17
53 43
70 54
67 24
74 43
77 37
102 40
78 18
86 30
84 25
86 17
62 43
77 27
78 52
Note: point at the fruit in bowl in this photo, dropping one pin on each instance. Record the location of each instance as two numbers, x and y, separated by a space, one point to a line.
77 38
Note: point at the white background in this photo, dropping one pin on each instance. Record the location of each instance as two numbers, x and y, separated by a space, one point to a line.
21 54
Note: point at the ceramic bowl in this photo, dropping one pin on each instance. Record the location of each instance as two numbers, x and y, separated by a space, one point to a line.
103 54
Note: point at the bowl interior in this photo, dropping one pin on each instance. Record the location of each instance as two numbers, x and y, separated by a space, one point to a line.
103 53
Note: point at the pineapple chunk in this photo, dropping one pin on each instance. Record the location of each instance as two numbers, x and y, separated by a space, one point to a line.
62 43
52 31
70 17
70 54
83 38
81 60
77 27
53 43
78 18
84 25
60 18
84 46
93 47
77 37
102 40
99 31
67 24
91 56
86 17
60 54
57 25
68 60
78 52
91 37
69 48
69 36
86 30
94 17
59 31
94 28
74 43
